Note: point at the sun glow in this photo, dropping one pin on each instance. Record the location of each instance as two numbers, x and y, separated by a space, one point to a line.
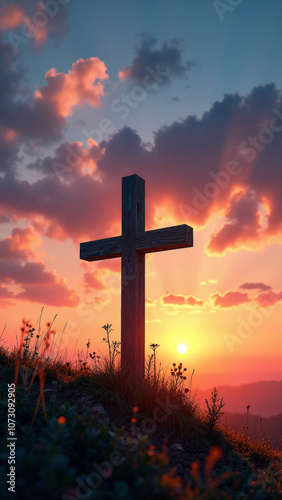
182 348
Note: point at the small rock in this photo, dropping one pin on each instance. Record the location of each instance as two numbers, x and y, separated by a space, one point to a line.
177 447
85 398
99 409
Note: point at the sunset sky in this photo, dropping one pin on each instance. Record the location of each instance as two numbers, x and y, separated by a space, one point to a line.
185 94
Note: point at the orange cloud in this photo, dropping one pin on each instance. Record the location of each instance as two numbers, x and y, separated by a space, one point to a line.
10 16
181 300
78 86
9 134
229 299
124 74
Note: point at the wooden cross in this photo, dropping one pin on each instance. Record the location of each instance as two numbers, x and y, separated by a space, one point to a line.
132 246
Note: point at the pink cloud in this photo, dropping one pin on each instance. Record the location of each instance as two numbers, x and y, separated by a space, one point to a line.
10 16
20 245
6 297
36 282
32 116
82 84
63 209
181 300
78 195
69 158
268 299
229 299
98 301
39 285
33 20
56 294
92 281
244 228
255 286
124 74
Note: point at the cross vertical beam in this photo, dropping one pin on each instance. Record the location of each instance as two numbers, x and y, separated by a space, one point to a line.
132 246
133 276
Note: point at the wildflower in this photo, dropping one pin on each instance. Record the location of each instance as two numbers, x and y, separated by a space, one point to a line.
186 390
151 450
135 409
61 420
133 420
215 454
248 406
170 481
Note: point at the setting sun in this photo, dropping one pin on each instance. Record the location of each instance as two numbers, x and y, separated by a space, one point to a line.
182 348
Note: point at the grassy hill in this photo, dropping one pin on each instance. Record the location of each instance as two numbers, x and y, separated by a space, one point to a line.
90 432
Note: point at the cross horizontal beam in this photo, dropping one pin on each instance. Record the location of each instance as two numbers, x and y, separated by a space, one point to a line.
167 238
108 248
157 240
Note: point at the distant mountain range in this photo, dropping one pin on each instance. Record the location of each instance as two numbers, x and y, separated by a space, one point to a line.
264 398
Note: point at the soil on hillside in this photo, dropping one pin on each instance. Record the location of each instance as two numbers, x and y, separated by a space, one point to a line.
194 448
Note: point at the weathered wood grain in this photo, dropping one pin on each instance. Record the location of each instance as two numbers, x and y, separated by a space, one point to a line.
108 248
168 238
133 276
